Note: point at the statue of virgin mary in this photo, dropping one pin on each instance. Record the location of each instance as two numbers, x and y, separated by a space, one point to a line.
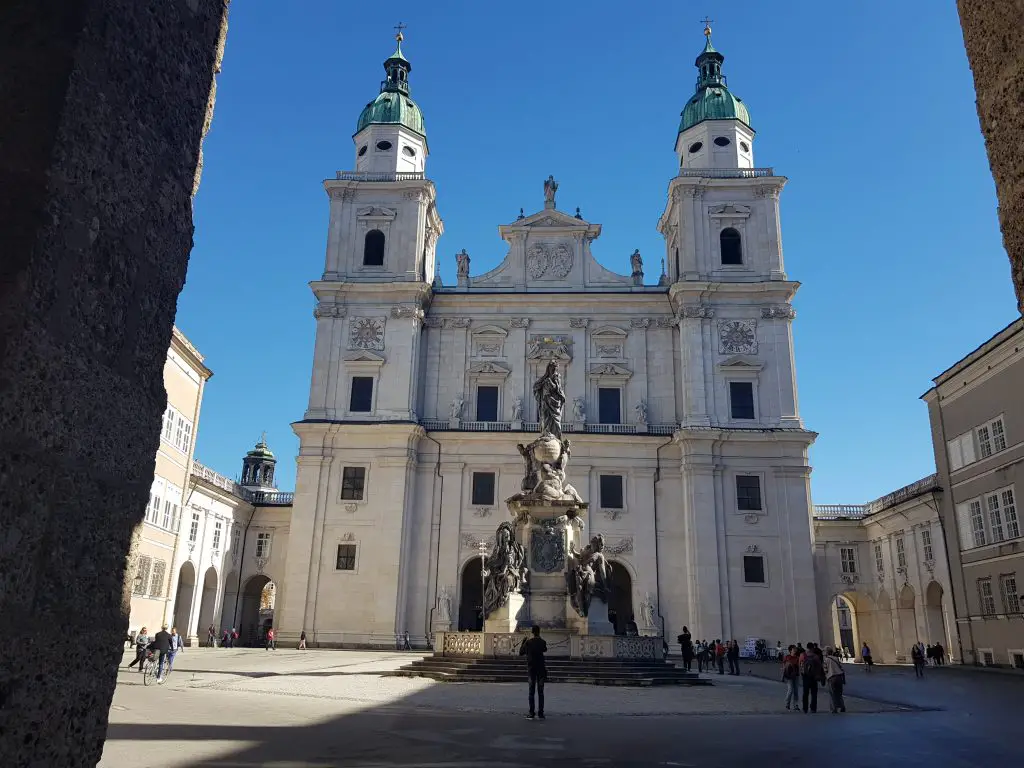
550 401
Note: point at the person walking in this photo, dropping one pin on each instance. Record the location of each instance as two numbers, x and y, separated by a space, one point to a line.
940 654
271 645
791 677
141 643
917 659
865 654
835 679
534 648
233 640
686 648
177 645
211 637
812 674
302 640
162 644
733 652
720 656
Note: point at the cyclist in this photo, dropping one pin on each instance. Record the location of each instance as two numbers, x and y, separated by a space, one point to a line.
162 643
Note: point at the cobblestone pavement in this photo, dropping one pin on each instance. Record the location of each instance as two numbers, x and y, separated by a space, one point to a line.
328 708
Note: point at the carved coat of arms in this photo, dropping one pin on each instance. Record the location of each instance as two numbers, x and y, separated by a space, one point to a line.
547 549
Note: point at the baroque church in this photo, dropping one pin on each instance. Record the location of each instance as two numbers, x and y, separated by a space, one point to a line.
681 397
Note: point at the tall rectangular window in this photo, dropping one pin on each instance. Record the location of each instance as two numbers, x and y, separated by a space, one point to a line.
879 561
609 405
995 517
193 531
748 493
988 599
353 482
848 556
168 426
611 491
998 435
361 399
984 442
1010 514
263 544
483 489
156 584
1008 585
216 535
168 514
961 451
753 569
977 523
186 440
142 571
901 553
156 496
486 403
741 399
236 538
346 557
926 546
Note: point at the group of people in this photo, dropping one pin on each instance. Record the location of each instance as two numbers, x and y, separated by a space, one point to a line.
166 644
811 667
228 638
709 655
932 655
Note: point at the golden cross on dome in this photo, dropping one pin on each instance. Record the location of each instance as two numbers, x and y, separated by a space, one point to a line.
398 32
707 22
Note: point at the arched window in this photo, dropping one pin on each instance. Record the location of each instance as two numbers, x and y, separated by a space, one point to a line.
373 249
732 250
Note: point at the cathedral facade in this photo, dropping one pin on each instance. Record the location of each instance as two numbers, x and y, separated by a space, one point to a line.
681 397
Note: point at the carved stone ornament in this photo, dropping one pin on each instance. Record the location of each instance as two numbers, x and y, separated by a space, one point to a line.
366 333
609 350
351 508
406 310
547 549
520 322
737 337
579 322
551 262
700 313
752 549
329 310
668 322
261 563
456 322
433 322
482 511
549 348
751 519
612 514
470 541
639 322
729 211
849 578
783 312
623 546
348 536
374 212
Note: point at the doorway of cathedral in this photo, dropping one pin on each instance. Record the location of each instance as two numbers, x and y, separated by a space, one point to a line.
184 596
257 613
207 606
471 597
620 606
843 621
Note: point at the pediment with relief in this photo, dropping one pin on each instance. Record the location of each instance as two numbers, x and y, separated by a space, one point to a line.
490 369
364 356
374 212
729 211
740 364
610 369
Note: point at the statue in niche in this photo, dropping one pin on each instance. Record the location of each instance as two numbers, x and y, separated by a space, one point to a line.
550 188
506 569
456 409
579 411
462 261
517 408
550 401
636 263
647 611
640 410
444 604
588 576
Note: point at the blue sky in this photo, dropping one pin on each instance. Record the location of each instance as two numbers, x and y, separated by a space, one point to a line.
889 218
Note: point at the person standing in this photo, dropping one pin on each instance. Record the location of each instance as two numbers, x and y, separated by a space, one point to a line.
162 644
141 643
835 679
211 637
177 644
917 658
534 649
686 648
791 677
302 640
720 656
234 638
940 654
865 654
733 652
812 674
271 646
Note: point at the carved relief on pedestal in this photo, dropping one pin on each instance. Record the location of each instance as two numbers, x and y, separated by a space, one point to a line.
548 261
737 337
366 333
555 347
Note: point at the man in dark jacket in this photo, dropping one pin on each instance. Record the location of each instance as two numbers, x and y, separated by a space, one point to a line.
162 643
534 649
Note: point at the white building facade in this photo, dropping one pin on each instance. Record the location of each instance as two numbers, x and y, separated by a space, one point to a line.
681 395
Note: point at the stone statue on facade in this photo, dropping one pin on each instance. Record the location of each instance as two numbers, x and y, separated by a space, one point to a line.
636 263
588 576
550 401
550 188
462 262
640 410
506 569
517 408
456 409
444 604
579 411
647 611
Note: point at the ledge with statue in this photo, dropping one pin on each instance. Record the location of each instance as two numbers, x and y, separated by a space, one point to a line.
542 569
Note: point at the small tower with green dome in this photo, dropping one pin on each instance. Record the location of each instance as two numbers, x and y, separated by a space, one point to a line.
714 131
390 135
258 467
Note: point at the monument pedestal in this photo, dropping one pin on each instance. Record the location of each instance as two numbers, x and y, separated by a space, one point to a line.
507 618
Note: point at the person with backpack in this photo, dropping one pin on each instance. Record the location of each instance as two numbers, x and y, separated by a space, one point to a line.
812 674
835 679
791 677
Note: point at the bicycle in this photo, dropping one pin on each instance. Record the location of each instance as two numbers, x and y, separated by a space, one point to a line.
150 668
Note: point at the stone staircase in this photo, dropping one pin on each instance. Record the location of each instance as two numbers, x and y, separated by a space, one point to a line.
639 673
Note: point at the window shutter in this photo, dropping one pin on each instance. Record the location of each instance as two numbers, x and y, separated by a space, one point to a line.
955 458
963 521
967 447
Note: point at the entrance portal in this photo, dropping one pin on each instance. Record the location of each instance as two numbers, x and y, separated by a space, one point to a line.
620 606
471 598
257 612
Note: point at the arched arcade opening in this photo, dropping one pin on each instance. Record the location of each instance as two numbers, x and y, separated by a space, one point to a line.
620 604
184 596
256 612
471 594
207 606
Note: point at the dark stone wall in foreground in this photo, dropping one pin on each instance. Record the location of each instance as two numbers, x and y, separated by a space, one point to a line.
103 107
994 36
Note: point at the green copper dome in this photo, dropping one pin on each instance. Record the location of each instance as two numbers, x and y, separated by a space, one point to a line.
393 106
261 451
713 100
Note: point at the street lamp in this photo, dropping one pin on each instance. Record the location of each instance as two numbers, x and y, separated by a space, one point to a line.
138 583
482 549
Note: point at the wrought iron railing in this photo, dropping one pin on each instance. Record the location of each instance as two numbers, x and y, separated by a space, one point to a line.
726 173
380 176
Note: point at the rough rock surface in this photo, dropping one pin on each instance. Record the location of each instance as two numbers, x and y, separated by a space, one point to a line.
103 105
994 37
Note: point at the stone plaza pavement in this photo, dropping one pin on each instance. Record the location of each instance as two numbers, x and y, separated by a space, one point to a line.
286 708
